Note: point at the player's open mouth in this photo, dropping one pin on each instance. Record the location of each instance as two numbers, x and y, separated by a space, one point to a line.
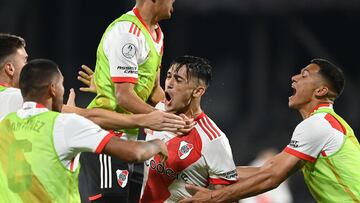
167 98
293 90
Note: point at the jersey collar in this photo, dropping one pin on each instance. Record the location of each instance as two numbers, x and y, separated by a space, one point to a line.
158 30
4 84
322 105
33 105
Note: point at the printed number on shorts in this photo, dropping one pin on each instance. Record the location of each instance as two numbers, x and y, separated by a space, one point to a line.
19 173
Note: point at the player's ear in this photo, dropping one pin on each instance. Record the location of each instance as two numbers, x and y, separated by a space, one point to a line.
321 91
52 90
9 69
198 91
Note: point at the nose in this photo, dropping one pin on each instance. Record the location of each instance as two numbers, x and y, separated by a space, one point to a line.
295 78
169 83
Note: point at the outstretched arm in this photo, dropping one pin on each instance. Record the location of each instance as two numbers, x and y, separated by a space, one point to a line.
129 100
156 120
269 176
135 151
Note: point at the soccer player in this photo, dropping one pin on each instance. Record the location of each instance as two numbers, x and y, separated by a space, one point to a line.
39 145
323 146
203 156
127 79
13 57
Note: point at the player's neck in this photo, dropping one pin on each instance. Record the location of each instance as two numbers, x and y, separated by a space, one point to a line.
307 109
148 16
194 110
6 81
46 102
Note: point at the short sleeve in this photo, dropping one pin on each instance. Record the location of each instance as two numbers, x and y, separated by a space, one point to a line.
309 139
16 101
74 134
122 51
218 155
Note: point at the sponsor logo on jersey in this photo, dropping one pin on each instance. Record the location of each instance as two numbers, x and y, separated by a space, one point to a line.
128 69
229 175
185 149
129 50
294 143
161 168
122 177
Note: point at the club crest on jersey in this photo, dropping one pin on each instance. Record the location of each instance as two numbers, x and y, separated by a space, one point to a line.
185 149
122 177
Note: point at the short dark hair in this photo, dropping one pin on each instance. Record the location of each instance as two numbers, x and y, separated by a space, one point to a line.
332 74
196 67
36 76
8 45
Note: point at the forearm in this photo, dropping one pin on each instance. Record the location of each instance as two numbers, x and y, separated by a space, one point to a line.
132 103
132 151
246 171
254 185
157 96
113 120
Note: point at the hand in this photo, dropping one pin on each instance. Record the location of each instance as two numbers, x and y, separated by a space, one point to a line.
189 125
163 150
71 99
70 109
200 195
88 79
162 121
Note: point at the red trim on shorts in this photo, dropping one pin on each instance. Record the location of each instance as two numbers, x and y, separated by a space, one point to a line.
103 142
4 84
158 30
95 197
124 79
220 181
300 154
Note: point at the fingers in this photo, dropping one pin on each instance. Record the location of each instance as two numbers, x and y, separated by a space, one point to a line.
85 89
83 80
71 99
192 189
84 75
88 70
163 158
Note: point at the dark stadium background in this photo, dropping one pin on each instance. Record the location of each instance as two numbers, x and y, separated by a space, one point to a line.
255 46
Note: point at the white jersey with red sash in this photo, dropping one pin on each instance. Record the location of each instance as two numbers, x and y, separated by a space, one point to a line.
201 157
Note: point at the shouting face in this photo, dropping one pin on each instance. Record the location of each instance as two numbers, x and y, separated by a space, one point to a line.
179 89
304 86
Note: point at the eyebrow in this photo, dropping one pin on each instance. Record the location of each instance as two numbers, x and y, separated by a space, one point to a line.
303 70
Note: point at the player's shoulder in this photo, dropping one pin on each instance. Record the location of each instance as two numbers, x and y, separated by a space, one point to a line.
207 129
72 119
126 28
12 91
314 123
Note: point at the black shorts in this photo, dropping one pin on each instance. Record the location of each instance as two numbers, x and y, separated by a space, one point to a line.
103 178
